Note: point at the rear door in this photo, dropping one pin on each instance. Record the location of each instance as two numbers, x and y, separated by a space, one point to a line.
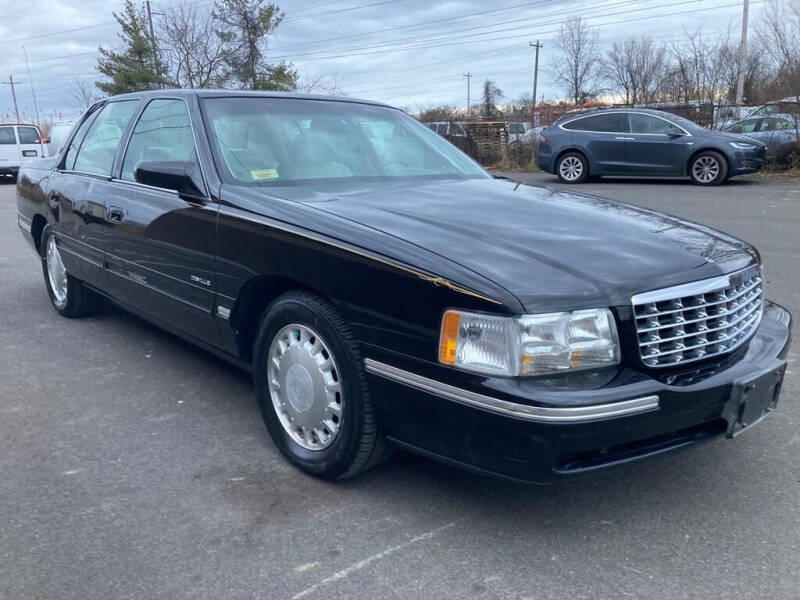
9 151
78 189
30 142
652 150
160 245
602 137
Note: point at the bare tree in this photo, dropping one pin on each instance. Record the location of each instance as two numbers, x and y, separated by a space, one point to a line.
617 70
576 66
320 84
83 94
194 50
779 34
698 67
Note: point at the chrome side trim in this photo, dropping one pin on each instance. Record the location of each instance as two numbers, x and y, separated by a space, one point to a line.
23 223
540 414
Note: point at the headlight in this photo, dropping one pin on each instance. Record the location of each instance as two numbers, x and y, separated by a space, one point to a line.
530 344
742 145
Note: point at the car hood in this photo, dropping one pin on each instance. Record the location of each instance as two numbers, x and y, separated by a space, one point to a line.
552 249
736 137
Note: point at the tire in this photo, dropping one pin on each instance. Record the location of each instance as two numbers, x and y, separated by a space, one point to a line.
708 168
67 294
298 392
572 167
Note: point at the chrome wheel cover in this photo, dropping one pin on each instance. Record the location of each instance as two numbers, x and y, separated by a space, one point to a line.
706 169
305 387
56 272
571 168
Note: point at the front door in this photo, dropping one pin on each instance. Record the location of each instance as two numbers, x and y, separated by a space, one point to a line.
160 245
654 149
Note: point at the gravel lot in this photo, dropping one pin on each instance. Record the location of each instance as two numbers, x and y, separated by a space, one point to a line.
135 466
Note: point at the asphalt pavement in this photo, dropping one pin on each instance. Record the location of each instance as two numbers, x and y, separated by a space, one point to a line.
134 466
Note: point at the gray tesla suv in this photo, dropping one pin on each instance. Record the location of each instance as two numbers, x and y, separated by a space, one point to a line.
644 143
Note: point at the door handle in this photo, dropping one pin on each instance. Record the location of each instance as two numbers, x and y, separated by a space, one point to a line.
114 214
624 138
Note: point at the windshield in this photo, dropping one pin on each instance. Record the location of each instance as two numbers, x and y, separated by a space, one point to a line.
274 140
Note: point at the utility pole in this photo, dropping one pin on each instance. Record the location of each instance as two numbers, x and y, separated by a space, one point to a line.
469 106
33 91
11 82
537 45
742 55
153 39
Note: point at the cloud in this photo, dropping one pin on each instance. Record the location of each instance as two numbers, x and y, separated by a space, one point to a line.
408 53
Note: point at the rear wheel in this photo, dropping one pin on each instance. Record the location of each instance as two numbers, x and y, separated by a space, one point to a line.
572 168
312 391
67 294
708 168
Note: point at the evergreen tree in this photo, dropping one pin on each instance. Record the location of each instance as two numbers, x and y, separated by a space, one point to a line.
244 25
137 66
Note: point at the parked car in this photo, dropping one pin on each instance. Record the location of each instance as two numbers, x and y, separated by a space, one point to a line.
59 133
786 106
644 143
447 128
19 143
523 133
395 294
780 133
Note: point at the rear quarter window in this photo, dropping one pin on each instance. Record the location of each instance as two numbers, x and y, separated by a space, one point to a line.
608 123
7 136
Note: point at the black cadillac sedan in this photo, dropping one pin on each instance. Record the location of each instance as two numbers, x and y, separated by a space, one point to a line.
385 291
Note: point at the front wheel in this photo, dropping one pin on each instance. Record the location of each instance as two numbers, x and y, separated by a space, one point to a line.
312 390
67 294
572 168
708 168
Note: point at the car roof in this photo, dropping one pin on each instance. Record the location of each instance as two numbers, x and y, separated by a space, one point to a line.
214 93
18 125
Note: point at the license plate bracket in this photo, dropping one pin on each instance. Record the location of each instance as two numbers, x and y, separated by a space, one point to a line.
753 398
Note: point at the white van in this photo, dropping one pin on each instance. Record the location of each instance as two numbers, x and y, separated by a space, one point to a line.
19 143
59 133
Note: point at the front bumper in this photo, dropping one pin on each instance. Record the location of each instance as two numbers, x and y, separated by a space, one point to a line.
542 430
747 161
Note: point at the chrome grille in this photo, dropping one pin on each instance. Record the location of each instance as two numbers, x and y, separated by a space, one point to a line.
698 320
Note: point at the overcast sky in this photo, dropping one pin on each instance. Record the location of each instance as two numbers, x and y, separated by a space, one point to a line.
410 53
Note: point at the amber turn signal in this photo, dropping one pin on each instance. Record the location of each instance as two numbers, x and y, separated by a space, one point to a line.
448 341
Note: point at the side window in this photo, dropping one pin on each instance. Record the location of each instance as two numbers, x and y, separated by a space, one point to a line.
748 126
75 144
163 133
773 124
7 136
28 135
96 153
607 123
641 123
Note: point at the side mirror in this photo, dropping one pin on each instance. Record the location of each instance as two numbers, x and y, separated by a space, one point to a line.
674 132
176 175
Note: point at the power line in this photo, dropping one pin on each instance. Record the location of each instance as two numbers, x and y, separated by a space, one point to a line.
525 35
416 44
341 10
